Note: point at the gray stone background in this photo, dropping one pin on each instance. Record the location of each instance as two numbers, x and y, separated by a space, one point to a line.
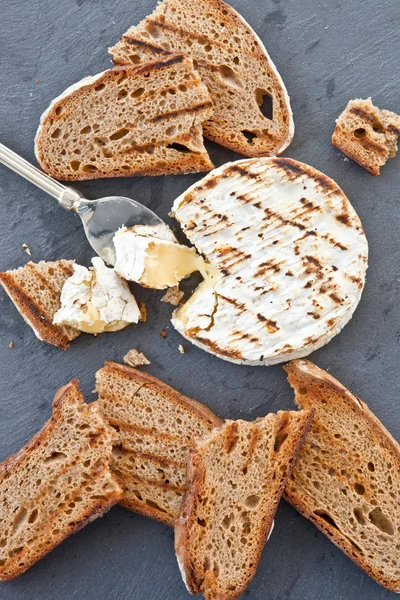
327 52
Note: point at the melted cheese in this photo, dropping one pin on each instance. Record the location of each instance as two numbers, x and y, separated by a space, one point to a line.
290 258
151 258
96 300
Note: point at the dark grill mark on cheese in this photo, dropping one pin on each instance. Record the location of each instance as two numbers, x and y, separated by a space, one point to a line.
238 169
214 347
294 170
344 218
272 214
312 264
236 303
289 274
334 242
335 298
355 280
270 325
314 314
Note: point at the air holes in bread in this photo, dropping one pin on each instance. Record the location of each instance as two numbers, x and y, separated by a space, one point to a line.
326 517
265 103
19 519
137 93
90 169
134 58
252 501
75 164
178 147
59 110
152 30
359 488
381 521
360 132
100 87
229 76
371 467
56 133
117 135
55 457
249 135
122 94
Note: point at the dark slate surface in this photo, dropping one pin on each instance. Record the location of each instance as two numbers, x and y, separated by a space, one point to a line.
327 52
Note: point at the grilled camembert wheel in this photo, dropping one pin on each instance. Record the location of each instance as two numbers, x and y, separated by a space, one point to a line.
290 258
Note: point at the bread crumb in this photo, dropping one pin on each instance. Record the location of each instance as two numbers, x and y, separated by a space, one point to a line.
36 80
33 420
143 312
26 249
163 333
134 358
173 295
181 349
11 345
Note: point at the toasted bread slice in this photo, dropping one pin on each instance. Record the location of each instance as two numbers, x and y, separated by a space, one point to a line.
57 483
252 113
35 290
367 134
235 481
154 428
142 120
347 476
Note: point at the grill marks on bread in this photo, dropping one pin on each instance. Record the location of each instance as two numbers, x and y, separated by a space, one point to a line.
367 134
252 113
154 428
35 290
347 476
56 484
235 480
143 120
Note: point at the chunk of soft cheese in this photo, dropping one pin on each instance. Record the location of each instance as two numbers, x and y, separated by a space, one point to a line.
153 257
289 256
96 300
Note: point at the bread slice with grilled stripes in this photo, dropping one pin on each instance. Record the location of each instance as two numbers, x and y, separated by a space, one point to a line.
367 134
35 290
252 113
57 483
347 476
236 477
143 120
154 427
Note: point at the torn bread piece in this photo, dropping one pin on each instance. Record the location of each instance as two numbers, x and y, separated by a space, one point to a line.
96 300
134 358
236 477
154 427
252 113
173 296
153 258
347 476
35 290
143 120
57 483
367 134
288 258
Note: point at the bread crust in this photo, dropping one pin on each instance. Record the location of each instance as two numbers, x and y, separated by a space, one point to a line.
11 463
188 515
307 370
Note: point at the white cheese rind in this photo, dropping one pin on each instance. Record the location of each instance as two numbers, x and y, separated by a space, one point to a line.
291 255
96 300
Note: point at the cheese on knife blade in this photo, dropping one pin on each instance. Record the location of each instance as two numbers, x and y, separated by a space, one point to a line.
290 258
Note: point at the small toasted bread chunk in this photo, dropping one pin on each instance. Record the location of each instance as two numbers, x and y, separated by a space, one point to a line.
252 113
56 484
236 477
367 134
347 476
154 427
142 120
35 290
